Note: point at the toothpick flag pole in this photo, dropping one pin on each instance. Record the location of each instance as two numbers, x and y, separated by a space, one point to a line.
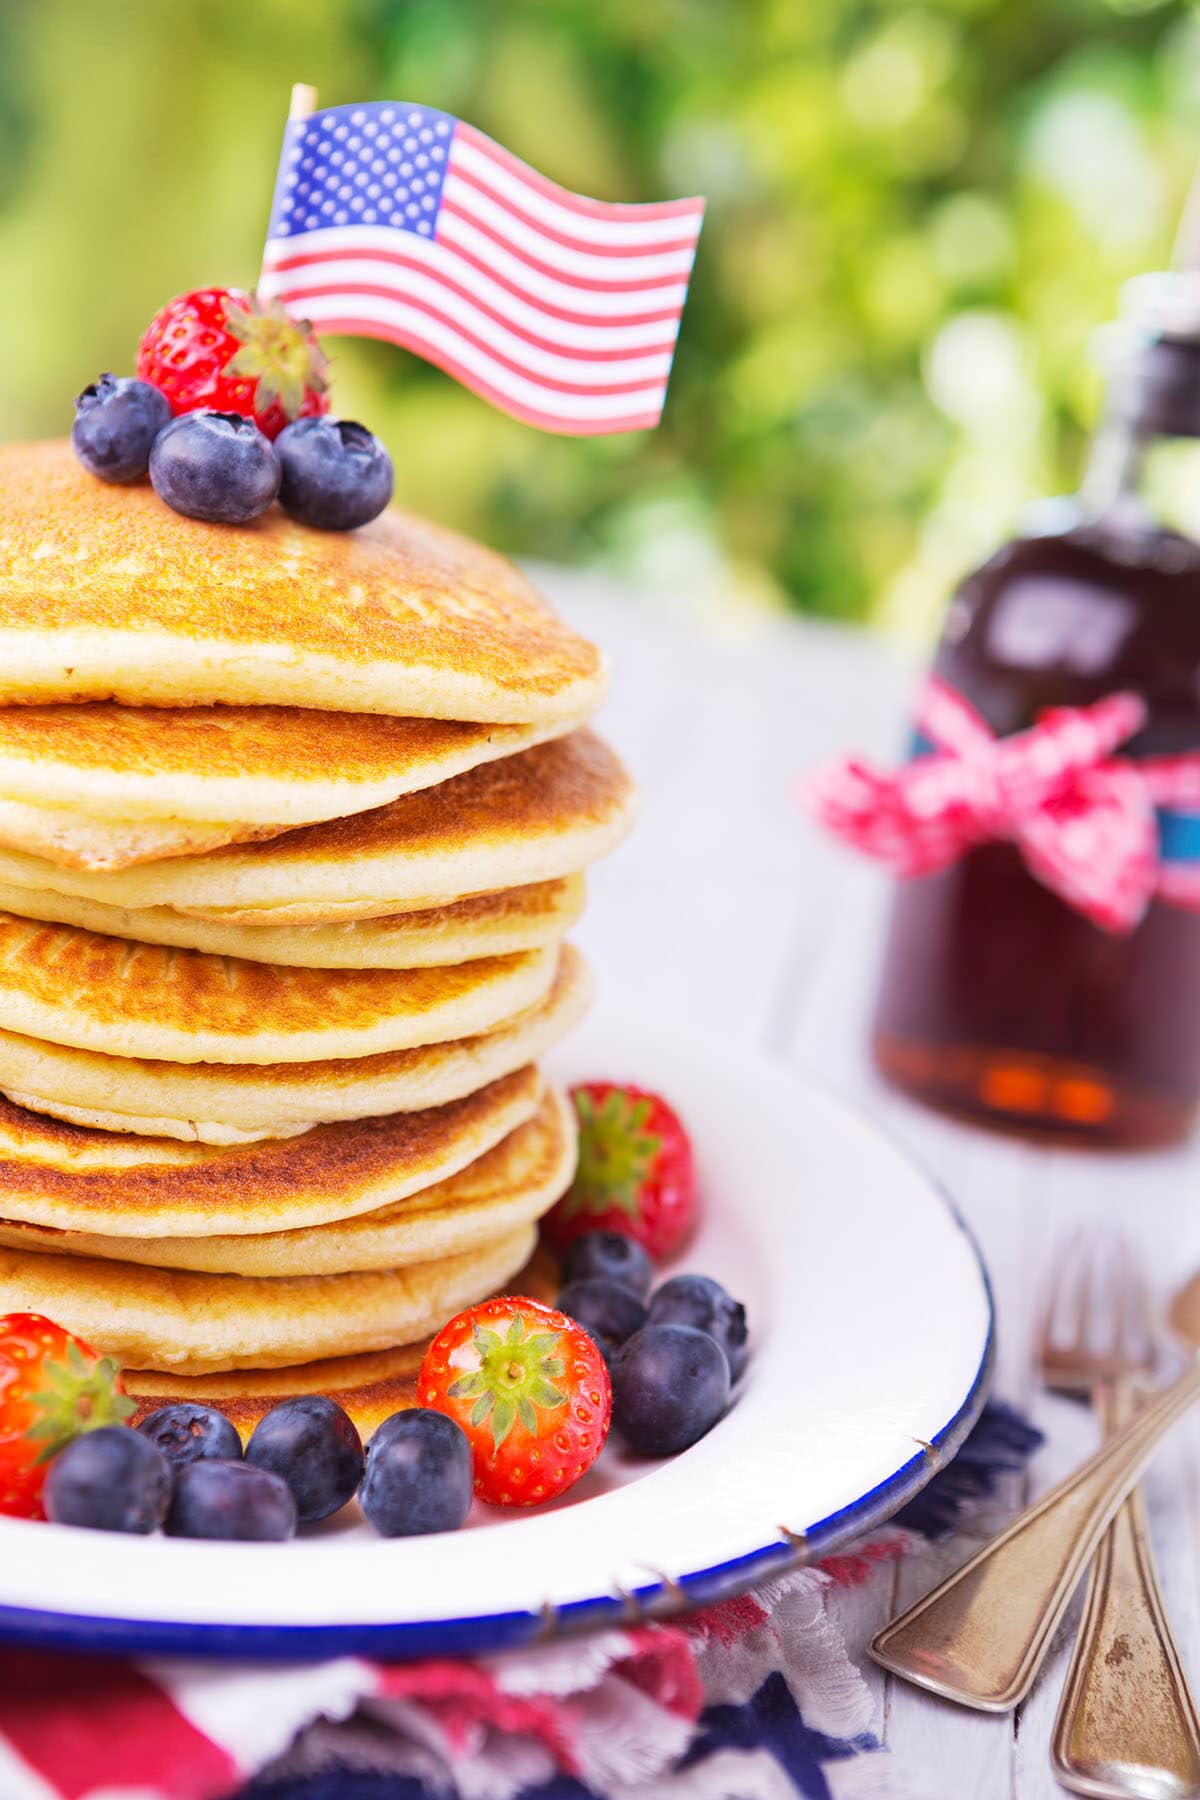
402 222
304 101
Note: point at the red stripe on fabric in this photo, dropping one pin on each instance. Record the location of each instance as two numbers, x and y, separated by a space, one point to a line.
658 248
462 1696
93 1722
299 293
590 283
598 209
278 264
662 1665
729 1621
854 1570
566 427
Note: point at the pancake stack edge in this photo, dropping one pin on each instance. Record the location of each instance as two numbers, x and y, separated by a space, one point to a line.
275 978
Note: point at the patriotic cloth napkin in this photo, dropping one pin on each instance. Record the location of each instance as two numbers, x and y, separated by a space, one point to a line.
755 1699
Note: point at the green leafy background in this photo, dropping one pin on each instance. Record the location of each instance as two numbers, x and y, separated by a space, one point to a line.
918 215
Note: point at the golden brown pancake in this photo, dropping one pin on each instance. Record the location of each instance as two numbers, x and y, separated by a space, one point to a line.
511 1185
462 931
537 816
199 1324
73 1179
371 1386
105 593
127 999
216 1103
76 840
277 766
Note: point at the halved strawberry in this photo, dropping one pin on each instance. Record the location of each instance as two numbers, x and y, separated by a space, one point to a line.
218 350
635 1174
530 1389
53 1386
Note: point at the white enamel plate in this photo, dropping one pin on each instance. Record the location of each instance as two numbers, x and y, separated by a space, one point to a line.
872 1334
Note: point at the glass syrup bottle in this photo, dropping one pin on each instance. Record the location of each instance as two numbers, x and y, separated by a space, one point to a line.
998 999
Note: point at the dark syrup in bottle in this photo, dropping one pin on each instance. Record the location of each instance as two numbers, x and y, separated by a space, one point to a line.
997 998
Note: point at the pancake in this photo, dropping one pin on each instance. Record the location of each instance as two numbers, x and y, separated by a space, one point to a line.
127 999
58 1175
277 766
537 816
73 840
106 594
371 1386
487 925
196 1324
216 1103
509 1186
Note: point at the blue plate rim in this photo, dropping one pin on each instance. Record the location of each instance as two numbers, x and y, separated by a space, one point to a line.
487 1633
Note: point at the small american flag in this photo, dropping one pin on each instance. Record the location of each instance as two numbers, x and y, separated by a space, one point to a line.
402 222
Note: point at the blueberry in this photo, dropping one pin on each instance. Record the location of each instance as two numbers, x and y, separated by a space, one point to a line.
116 421
187 1434
419 1475
336 474
112 1479
607 1311
613 1255
700 1301
215 466
670 1386
313 1445
231 1500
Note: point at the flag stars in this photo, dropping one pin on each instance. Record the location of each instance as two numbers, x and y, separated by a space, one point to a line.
424 227
427 136
415 118
441 128
437 153
406 168
388 114
411 144
428 203
357 117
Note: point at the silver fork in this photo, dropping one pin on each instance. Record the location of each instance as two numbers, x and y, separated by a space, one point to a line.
1127 1727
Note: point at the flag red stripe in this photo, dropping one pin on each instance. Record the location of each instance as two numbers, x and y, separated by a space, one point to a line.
627 284
658 247
567 427
598 209
100 1723
296 293
283 263
553 384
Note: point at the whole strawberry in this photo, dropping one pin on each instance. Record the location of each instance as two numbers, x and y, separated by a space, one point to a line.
530 1389
53 1386
217 350
635 1174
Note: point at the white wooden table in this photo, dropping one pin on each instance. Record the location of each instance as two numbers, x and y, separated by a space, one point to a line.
727 907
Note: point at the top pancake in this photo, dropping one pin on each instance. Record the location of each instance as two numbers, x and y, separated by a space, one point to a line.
105 593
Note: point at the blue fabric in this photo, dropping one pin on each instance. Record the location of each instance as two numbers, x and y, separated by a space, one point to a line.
771 1722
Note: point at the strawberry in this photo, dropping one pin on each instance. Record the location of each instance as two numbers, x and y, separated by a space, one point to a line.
218 350
530 1389
53 1386
635 1173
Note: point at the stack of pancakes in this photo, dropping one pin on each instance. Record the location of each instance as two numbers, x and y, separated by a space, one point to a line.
292 827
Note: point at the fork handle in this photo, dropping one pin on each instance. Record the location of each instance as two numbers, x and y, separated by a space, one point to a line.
1127 1723
979 1637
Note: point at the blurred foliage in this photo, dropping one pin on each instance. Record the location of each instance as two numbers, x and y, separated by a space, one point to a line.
918 213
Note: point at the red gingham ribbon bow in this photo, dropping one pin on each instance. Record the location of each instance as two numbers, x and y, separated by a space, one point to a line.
1083 820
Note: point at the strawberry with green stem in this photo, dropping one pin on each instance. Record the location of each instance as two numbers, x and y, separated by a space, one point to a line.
529 1388
218 350
635 1175
53 1386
